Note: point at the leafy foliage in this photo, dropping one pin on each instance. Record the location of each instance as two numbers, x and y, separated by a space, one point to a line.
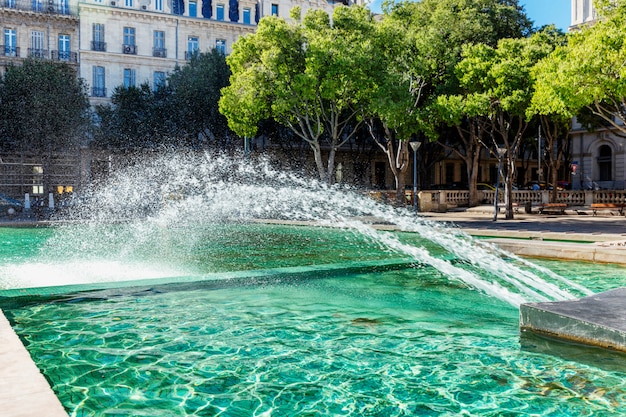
43 108
184 112
312 76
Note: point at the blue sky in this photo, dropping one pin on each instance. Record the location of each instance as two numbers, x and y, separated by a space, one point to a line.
542 12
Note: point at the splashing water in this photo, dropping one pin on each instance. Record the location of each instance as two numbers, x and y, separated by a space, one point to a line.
178 192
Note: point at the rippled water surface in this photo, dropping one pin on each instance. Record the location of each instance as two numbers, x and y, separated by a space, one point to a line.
165 293
385 343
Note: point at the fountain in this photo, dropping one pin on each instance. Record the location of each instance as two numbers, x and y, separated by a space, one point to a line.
194 283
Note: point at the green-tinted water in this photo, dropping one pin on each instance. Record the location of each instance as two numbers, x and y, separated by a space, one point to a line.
395 343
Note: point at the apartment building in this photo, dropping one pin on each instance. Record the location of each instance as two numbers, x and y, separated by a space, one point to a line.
46 29
131 42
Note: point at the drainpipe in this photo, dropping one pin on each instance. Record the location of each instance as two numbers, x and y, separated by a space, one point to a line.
177 21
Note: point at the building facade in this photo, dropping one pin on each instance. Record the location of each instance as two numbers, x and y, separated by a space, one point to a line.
582 13
45 29
131 42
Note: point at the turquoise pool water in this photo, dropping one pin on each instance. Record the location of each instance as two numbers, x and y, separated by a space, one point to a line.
399 342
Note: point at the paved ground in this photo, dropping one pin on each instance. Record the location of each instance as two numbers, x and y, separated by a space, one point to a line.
599 228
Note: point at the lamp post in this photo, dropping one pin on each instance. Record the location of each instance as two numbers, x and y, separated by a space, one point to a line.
415 145
501 151
246 147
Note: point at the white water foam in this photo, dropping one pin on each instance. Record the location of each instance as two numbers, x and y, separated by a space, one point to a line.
186 189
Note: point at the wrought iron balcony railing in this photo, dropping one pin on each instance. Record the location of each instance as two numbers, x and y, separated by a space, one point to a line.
159 52
65 56
41 6
38 53
10 50
98 46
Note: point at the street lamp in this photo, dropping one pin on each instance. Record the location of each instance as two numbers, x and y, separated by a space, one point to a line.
501 151
246 147
415 145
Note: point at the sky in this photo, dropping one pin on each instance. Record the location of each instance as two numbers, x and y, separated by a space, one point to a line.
542 12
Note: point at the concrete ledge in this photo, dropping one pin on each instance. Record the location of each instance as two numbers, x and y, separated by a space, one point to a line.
598 320
24 392
563 250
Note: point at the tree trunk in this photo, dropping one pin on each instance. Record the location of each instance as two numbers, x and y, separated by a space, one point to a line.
317 153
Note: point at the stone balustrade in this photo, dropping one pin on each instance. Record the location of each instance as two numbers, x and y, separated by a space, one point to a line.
441 200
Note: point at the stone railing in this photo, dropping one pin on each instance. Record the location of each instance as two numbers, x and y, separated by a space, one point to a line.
441 200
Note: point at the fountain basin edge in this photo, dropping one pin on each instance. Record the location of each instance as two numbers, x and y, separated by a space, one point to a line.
596 320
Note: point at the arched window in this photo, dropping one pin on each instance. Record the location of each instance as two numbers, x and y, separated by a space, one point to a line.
605 163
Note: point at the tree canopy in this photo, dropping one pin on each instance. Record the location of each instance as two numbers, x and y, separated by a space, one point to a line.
181 112
312 76
43 108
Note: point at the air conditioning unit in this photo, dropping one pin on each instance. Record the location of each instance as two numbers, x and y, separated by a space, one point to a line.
128 49
113 3
144 7
50 9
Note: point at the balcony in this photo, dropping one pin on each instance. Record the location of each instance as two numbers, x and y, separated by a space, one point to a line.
129 49
98 92
65 56
9 50
98 46
38 53
159 52
41 6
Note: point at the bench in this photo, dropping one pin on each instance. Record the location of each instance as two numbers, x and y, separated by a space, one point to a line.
595 207
527 206
552 208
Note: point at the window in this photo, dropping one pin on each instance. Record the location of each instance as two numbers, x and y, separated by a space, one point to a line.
246 15
64 7
11 4
37 48
129 36
159 79
605 163
97 86
192 46
37 180
193 9
129 77
220 46
274 9
64 47
128 3
97 43
159 44
178 7
129 41
158 5
10 42
37 5
220 12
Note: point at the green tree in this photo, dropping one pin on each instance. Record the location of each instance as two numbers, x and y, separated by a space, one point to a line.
312 76
553 114
588 73
182 112
195 94
128 122
501 79
421 43
44 108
